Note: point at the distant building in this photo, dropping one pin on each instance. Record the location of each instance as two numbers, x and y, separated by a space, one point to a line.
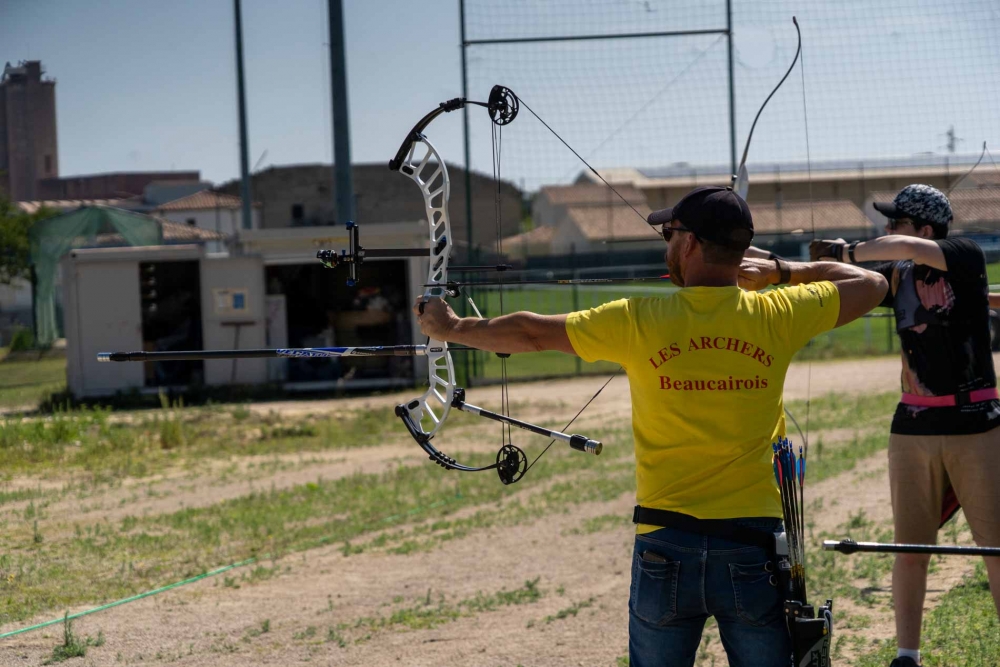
212 211
29 151
304 196
589 218
119 185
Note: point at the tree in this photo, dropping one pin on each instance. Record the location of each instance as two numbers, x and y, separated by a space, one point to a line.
15 249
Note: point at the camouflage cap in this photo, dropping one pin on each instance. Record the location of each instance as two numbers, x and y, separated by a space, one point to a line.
920 202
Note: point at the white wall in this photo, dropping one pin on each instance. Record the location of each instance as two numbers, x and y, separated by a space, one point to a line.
224 220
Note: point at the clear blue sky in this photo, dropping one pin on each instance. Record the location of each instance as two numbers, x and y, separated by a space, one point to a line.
146 84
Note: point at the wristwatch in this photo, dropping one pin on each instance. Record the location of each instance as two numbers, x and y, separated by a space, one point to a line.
784 271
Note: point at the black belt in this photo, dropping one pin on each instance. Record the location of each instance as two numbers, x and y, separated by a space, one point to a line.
721 528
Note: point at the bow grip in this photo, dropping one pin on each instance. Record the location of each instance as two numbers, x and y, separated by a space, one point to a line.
584 444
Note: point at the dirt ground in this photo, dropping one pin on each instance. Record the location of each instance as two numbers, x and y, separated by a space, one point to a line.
580 620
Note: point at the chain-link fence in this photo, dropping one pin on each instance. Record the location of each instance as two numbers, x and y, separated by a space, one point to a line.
659 97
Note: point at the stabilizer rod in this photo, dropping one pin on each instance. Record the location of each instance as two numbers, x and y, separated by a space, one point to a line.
850 547
578 442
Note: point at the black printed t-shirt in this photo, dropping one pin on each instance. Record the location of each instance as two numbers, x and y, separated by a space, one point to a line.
942 318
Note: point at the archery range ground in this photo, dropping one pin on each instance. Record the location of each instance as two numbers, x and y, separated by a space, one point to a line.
573 614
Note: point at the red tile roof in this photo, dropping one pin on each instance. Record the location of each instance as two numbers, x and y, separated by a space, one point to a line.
173 232
598 194
206 199
804 216
602 223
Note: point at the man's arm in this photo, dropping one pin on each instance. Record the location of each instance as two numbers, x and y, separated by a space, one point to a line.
753 252
884 248
859 290
508 334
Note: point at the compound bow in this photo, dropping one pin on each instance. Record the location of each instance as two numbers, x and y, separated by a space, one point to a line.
425 415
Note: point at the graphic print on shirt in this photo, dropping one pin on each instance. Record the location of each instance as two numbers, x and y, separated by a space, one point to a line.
942 319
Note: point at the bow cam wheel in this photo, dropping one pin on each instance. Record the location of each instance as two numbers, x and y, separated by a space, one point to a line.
511 464
503 105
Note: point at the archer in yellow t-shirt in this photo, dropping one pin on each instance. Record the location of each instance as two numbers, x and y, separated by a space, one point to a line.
706 367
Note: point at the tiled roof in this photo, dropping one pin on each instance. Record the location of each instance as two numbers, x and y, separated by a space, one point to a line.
804 216
206 199
601 223
67 204
599 194
173 232
537 236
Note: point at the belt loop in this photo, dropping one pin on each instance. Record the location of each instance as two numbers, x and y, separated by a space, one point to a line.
635 514
963 398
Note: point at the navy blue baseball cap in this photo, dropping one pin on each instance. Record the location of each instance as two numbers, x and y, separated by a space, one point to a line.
713 213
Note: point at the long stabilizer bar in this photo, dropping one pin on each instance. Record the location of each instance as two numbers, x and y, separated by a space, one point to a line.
850 547
291 352
580 443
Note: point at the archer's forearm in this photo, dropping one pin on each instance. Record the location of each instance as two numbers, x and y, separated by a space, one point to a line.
517 332
811 272
894 248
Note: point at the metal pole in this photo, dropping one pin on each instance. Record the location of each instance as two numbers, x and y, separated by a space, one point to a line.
469 368
732 88
245 192
341 123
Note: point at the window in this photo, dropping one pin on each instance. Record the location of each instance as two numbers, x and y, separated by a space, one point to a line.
191 221
297 213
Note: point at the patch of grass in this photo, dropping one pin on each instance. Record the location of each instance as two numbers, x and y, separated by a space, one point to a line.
25 384
962 631
601 523
154 550
571 610
836 410
86 439
857 577
429 613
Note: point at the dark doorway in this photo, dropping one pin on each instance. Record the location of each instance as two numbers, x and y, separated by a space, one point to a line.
171 320
323 311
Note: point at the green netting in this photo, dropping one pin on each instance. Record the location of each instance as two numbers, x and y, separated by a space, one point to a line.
54 237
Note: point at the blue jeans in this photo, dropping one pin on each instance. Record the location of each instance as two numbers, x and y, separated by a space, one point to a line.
679 579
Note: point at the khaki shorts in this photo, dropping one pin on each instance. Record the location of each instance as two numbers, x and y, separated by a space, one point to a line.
920 469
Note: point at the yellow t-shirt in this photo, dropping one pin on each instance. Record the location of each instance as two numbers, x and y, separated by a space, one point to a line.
706 367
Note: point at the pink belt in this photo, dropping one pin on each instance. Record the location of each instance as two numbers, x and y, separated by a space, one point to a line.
966 397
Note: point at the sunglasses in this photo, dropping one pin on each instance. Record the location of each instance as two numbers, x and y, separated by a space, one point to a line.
667 231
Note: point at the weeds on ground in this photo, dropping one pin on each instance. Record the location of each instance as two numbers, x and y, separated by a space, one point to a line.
432 611
72 646
962 631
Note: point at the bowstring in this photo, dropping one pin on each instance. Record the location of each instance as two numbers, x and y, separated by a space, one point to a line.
580 157
578 413
812 222
497 146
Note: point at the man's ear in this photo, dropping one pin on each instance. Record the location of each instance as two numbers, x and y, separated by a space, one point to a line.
926 232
